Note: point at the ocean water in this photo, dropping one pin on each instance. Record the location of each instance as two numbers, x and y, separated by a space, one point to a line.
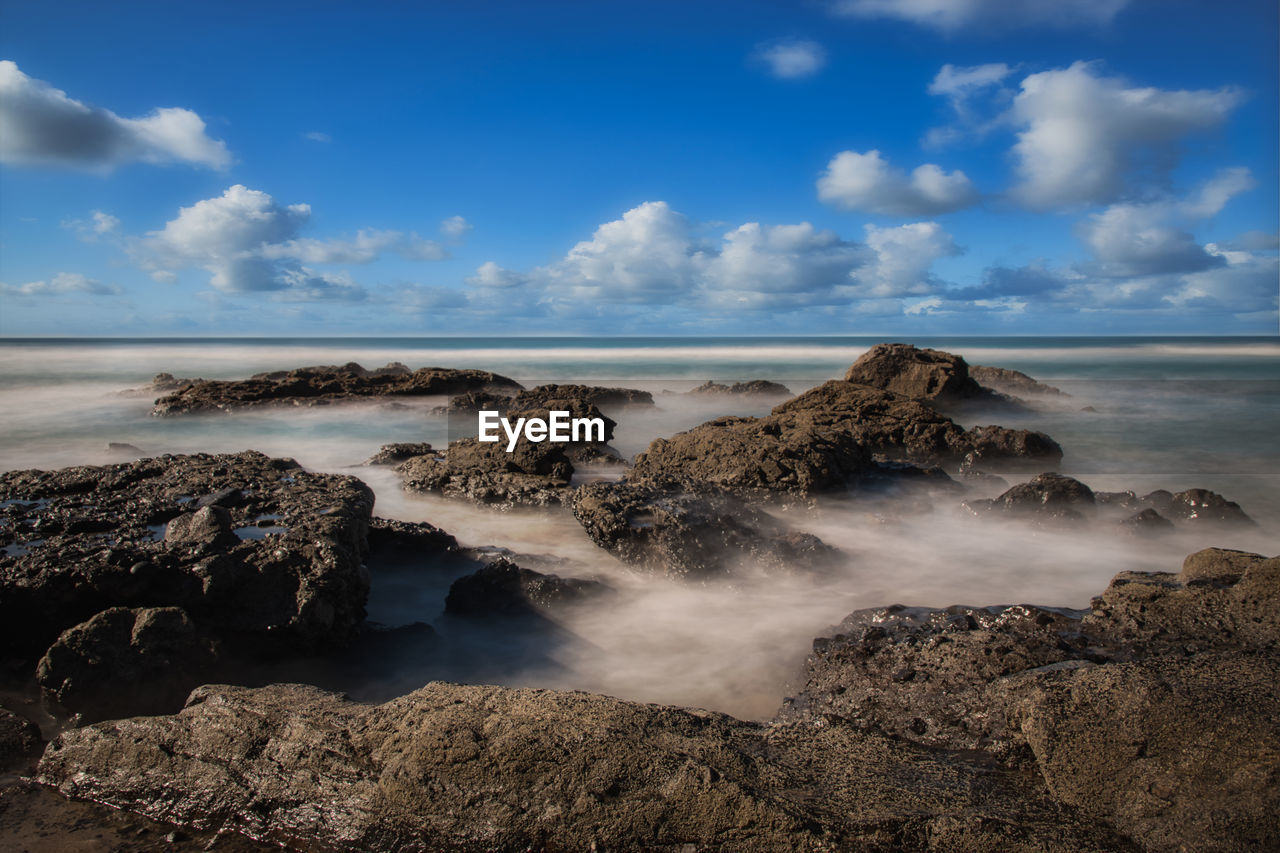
1143 413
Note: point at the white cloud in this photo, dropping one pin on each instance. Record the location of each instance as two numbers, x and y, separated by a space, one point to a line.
867 182
62 283
949 15
967 88
455 227
247 242
41 126
793 58
903 258
317 136
1152 238
780 266
489 274
1083 135
98 225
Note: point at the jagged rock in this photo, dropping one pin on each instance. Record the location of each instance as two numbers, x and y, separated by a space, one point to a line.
920 374
503 588
452 767
907 430
1221 598
19 741
310 386
397 541
1013 382
1148 522
691 531
926 675
756 388
1201 506
84 539
551 397
125 661
394 454
534 473
1047 497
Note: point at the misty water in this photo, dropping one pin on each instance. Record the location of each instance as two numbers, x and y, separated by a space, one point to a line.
1170 413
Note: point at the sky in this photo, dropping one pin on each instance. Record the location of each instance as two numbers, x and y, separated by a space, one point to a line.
705 167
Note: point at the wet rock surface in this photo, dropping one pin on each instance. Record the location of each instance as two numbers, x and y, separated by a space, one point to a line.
753 388
534 473
920 374
1048 497
1013 382
503 588
693 531
20 742
322 385
255 551
487 768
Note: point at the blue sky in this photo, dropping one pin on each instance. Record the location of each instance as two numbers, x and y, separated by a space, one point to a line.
510 168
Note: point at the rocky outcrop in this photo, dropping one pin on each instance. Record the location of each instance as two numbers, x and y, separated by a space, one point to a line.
127 661
535 474
323 385
394 454
503 588
19 742
753 388
256 550
1052 497
553 397
692 530
1156 711
1013 382
920 374
1048 497
453 767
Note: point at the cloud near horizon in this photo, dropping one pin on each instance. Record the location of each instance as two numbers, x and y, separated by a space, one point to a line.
42 126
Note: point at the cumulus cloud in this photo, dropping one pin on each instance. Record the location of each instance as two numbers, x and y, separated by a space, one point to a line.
489 274
249 243
62 283
792 59
1083 136
780 266
1153 238
867 182
903 258
950 15
42 126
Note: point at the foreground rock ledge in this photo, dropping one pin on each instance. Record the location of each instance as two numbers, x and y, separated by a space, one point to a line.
453 767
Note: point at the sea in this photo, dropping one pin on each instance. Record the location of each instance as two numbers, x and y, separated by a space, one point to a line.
1137 413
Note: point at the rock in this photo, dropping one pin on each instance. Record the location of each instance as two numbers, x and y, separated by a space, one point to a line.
19 742
310 386
121 450
1178 753
1148 523
82 540
907 430
920 374
407 541
535 474
1048 497
394 454
692 531
1201 506
754 388
1013 382
551 397
452 767
474 401
1220 599
763 454
502 588
125 662
927 675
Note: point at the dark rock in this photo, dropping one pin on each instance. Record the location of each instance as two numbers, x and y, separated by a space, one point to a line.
122 450
551 397
394 454
125 662
1012 382
503 588
1201 506
754 388
474 401
82 540
228 497
1148 522
691 531
309 386
19 742
399 541
1047 497
1122 500
920 374
452 767
534 473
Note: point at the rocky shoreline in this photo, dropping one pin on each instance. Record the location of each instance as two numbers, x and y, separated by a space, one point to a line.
148 608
